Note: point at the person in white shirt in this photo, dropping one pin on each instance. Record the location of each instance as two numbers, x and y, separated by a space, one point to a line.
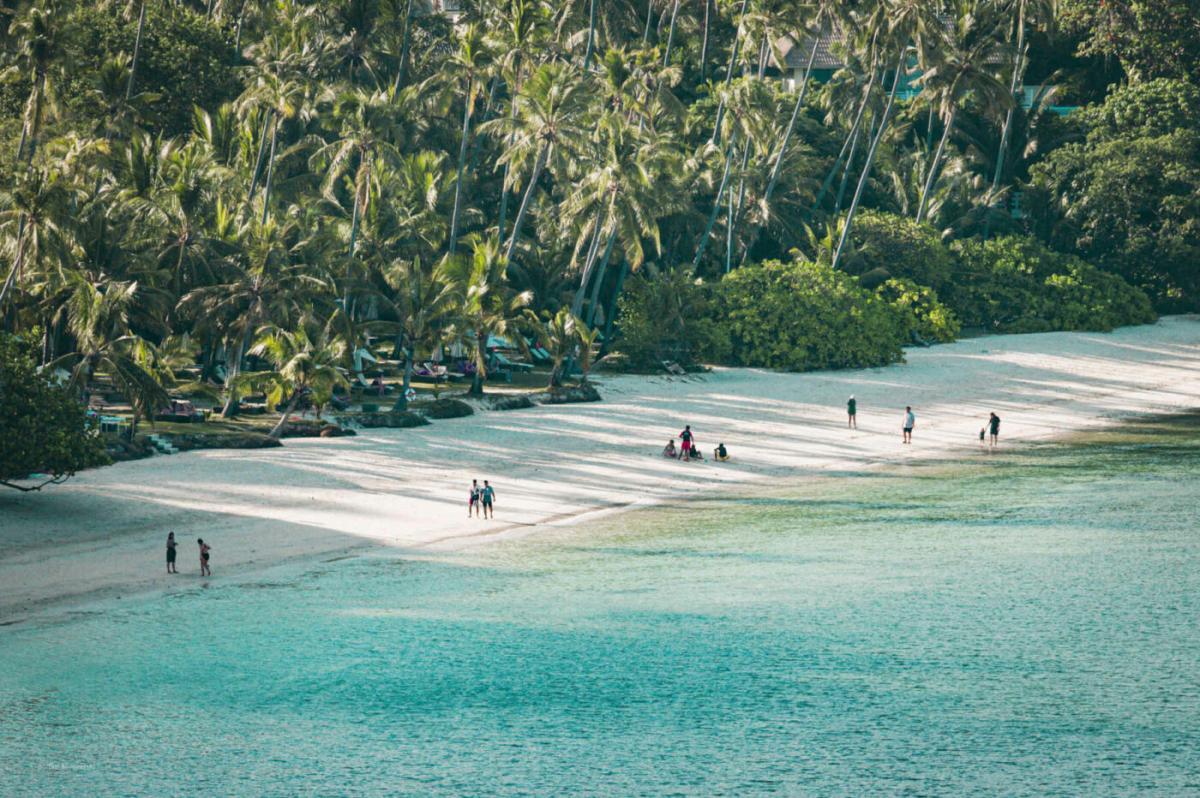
910 421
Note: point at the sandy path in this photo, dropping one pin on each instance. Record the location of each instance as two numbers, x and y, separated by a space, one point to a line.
102 533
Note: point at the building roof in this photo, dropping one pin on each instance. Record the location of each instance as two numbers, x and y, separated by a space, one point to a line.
796 54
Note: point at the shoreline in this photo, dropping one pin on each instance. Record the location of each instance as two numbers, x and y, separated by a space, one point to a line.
100 535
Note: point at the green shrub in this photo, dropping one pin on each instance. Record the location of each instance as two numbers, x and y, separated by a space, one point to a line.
1015 284
43 428
801 316
887 246
665 317
924 316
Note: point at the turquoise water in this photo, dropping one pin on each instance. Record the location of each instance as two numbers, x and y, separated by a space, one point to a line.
1016 624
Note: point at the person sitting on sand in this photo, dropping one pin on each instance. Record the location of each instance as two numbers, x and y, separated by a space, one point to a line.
171 553
720 454
669 450
204 549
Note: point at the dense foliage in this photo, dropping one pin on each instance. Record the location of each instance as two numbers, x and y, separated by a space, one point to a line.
1015 284
185 183
43 430
801 316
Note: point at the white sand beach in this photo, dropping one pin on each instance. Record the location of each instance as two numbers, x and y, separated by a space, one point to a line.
101 535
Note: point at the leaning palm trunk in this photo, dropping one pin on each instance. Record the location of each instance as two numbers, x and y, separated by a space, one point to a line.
270 169
737 41
262 154
480 364
671 34
704 42
462 165
934 167
137 50
716 210
543 156
591 39
404 45
277 430
870 160
1006 131
18 260
849 170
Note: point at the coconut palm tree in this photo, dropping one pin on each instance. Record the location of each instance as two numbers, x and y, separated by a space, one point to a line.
490 307
546 133
558 334
962 67
37 50
35 219
425 303
469 62
305 366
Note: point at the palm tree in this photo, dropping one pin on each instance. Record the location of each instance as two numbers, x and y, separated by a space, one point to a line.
98 320
559 336
367 121
35 216
468 61
425 303
305 366
547 130
907 23
137 51
37 51
961 68
490 307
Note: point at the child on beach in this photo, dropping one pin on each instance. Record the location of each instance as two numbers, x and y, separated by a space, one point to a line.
171 553
852 413
473 501
686 440
910 421
669 450
204 549
488 495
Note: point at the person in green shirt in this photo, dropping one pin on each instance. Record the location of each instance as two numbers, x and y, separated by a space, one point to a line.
852 413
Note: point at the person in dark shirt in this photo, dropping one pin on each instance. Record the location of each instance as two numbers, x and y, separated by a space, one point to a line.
852 413
994 429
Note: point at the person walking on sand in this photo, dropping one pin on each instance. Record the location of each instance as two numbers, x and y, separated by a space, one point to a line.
994 429
910 421
852 413
204 550
488 495
687 440
473 501
171 553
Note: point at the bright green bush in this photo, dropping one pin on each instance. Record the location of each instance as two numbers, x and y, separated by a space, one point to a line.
801 316
666 317
888 246
1015 284
924 316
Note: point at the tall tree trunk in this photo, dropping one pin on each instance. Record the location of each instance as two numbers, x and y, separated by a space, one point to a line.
866 172
356 213
598 280
539 165
934 167
480 364
716 210
591 39
462 165
277 430
262 153
233 367
704 42
404 43
270 169
137 50
18 259
1006 131
649 18
735 216
671 34
845 182
401 403
737 42
613 306
777 169
237 36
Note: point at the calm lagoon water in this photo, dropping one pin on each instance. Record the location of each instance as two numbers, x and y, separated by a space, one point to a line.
1016 624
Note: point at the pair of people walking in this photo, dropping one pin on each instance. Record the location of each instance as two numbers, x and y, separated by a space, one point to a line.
172 547
481 499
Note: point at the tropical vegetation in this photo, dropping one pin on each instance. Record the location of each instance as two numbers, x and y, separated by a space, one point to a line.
257 193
